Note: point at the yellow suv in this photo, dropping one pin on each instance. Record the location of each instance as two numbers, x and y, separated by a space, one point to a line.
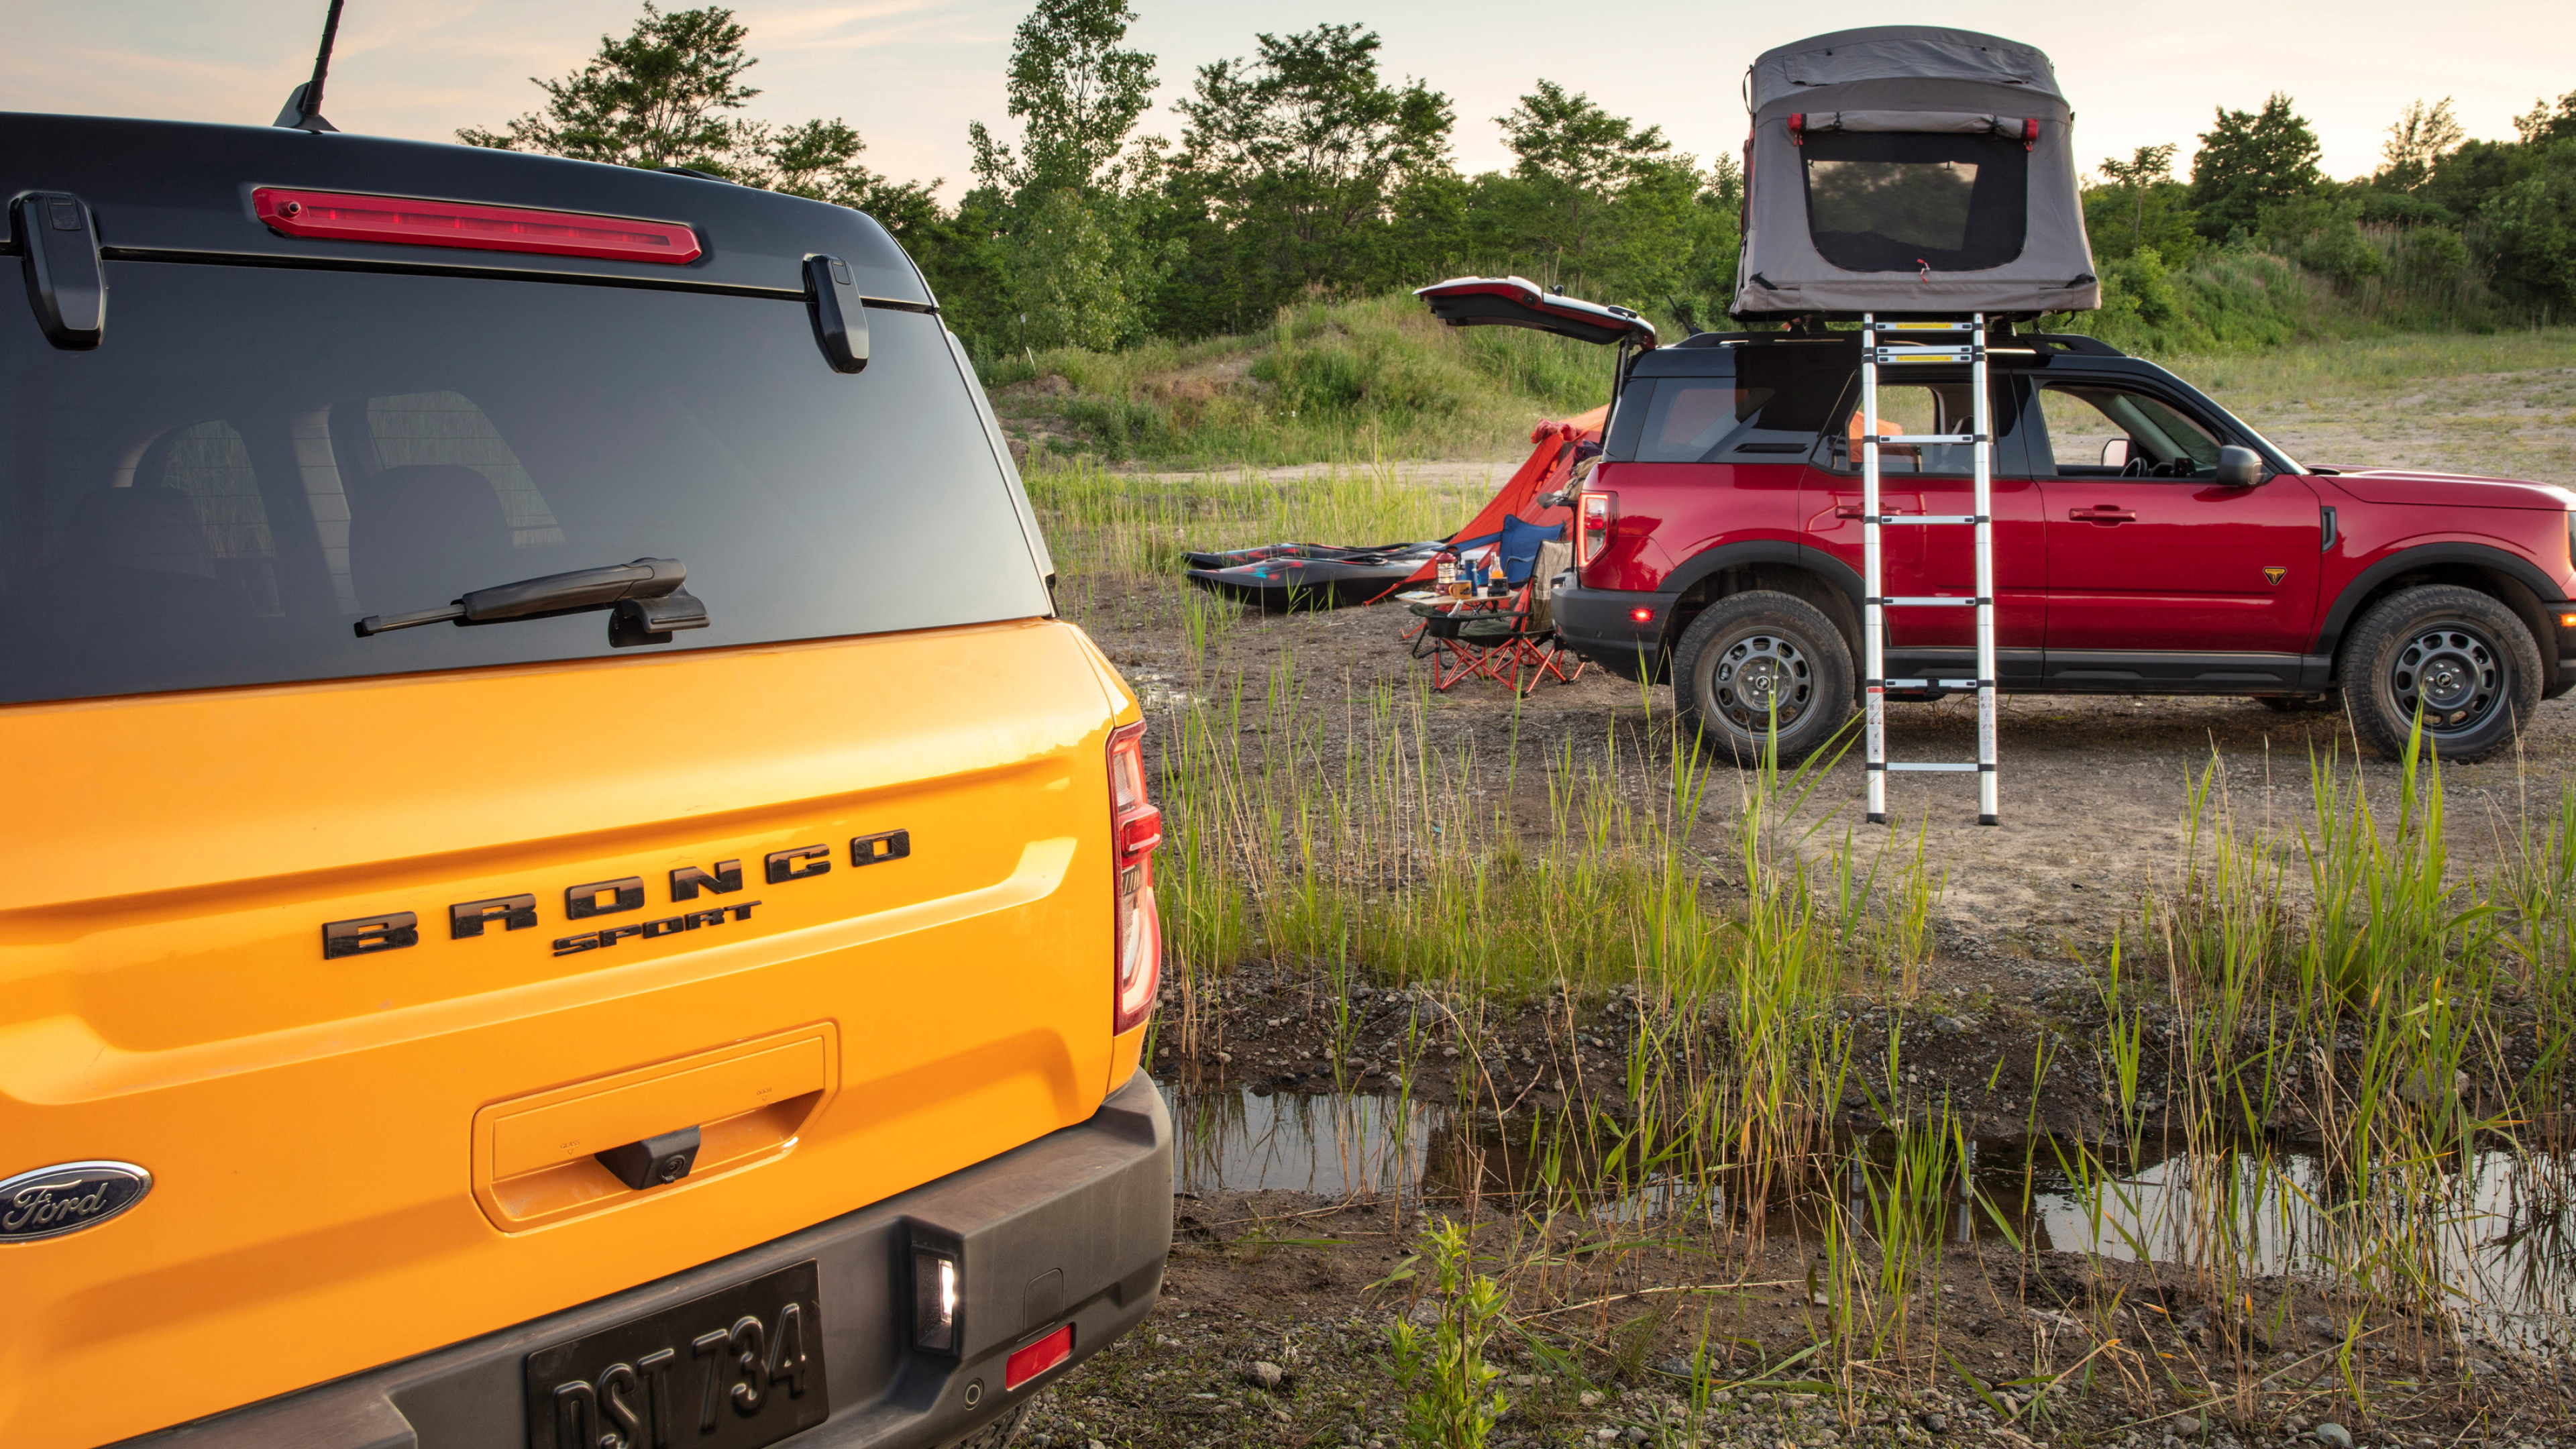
564 884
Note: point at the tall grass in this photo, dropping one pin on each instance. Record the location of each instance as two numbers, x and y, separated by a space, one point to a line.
1346 381
2304 1025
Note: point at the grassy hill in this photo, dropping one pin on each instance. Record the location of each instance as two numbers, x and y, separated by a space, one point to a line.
1378 378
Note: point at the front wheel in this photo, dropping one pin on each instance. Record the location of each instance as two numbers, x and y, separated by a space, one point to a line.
2463 659
1755 661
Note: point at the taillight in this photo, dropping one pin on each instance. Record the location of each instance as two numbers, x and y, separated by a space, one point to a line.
346 216
1135 828
1594 513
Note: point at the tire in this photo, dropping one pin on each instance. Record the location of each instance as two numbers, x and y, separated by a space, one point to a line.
999 1432
2464 657
1747 647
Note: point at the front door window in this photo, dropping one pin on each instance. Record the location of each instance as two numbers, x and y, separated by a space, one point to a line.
2149 556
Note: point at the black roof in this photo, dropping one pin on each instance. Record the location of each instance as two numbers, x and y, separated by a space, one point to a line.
182 190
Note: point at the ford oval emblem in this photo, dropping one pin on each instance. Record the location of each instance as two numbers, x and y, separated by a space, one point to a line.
52 1201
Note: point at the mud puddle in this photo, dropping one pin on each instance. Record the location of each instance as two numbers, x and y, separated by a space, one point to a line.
2501 1234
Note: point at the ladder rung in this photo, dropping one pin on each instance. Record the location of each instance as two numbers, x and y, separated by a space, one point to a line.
1969 768
1928 603
1887 355
1925 683
1925 518
1926 326
1949 440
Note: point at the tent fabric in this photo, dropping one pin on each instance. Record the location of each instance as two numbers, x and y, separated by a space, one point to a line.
1552 458
1952 82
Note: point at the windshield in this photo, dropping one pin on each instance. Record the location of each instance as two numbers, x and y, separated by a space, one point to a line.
256 458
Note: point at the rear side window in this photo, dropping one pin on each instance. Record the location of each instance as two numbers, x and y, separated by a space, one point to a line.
1892 201
1767 408
257 458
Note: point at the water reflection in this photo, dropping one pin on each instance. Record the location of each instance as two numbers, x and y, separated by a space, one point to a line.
2498 1234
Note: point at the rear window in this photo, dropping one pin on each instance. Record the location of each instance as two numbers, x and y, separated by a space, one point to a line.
1880 201
257 458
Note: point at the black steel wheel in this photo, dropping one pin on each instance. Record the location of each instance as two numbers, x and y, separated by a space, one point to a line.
1755 660
2461 658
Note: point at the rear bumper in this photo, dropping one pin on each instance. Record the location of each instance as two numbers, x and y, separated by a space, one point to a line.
1602 626
1092 1202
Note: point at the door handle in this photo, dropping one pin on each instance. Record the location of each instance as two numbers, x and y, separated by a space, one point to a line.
2102 513
1852 510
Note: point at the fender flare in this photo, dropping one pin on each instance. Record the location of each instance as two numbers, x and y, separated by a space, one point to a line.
1764 550
2338 618
1700 566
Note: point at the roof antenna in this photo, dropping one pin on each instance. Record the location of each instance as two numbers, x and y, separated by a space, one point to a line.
304 103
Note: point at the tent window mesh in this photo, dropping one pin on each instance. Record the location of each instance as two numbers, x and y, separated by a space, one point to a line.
1904 202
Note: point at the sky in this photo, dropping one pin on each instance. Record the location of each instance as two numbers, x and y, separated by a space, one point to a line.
910 74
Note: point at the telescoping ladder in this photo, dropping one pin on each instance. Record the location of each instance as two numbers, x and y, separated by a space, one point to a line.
1874 353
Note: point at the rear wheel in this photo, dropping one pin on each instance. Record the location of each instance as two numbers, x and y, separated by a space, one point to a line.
1750 655
2462 658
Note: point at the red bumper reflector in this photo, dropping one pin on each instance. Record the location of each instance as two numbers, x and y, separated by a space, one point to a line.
1027 1363
1642 616
345 216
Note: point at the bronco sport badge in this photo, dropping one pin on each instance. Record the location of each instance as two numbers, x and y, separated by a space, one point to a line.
52 1201
2275 575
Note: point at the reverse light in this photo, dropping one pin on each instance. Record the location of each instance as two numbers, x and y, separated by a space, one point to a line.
1594 513
934 1301
349 216
1135 828
1027 1363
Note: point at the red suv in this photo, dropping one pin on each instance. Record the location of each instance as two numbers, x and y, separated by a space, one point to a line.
2146 542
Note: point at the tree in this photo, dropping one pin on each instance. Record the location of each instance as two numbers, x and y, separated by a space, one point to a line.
2544 123
2420 136
663 96
1077 94
1580 157
1291 167
2250 160
657 98
2526 233
2149 166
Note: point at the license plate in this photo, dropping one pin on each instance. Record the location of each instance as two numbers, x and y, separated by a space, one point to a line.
737 1369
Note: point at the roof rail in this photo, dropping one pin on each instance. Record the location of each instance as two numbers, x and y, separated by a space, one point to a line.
2074 342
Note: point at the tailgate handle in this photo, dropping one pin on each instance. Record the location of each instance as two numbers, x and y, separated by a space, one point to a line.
656 1161
58 240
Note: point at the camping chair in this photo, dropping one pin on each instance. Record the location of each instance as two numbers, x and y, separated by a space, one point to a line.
1504 643
1516 545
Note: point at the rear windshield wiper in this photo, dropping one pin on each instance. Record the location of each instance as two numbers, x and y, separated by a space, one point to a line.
645 594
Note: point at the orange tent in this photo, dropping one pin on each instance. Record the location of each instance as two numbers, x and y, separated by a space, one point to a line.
1551 459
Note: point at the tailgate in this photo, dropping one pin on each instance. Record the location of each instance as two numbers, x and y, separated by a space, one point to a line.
848 912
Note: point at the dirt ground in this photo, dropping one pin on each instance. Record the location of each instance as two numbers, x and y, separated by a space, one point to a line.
2095 797
1604 1353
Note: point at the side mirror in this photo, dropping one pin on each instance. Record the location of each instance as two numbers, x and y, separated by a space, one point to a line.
2239 467
2115 453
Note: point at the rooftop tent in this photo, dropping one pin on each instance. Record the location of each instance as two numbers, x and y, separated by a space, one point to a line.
1911 170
